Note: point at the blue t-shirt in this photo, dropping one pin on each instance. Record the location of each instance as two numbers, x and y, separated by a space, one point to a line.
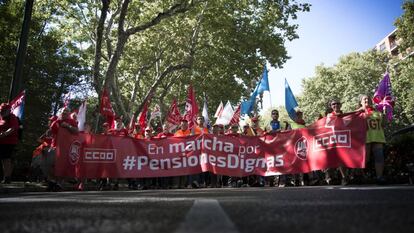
275 125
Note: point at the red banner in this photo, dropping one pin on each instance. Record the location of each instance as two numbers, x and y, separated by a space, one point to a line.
329 142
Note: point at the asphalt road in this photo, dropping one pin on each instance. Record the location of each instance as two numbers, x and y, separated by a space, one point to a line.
304 209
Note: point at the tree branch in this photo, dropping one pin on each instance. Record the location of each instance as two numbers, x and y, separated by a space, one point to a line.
108 30
173 10
159 79
98 47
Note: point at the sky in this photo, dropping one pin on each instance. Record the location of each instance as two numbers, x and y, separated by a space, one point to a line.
331 29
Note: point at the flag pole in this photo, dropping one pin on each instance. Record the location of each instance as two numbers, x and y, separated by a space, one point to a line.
270 95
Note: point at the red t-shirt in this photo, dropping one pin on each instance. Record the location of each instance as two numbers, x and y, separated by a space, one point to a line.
55 127
5 124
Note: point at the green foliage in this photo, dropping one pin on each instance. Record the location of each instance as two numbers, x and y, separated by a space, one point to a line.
405 27
399 153
50 69
225 44
355 74
403 87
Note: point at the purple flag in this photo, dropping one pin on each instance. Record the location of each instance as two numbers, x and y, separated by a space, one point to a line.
383 98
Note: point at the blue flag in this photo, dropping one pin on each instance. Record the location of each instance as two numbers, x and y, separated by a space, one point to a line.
263 85
264 82
246 107
290 101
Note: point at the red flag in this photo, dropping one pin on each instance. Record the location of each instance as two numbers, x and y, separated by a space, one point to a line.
236 116
17 104
191 108
219 110
142 117
106 108
173 116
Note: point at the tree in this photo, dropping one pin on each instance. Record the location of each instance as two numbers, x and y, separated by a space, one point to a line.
50 70
405 27
163 45
355 74
403 87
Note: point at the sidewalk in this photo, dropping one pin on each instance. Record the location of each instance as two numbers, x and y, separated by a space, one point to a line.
20 186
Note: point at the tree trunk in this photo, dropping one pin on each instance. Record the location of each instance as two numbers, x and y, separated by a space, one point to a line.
98 48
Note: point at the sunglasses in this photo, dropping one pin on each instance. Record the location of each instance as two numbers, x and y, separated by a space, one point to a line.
336 104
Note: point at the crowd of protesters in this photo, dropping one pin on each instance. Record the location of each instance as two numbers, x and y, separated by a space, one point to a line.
44 155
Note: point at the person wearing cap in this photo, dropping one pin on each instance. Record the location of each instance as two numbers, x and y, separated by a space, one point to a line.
64 122
335 105
247 130
9 126
105 128
218 129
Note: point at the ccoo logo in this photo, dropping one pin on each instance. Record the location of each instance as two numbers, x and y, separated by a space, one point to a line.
74 152
301 148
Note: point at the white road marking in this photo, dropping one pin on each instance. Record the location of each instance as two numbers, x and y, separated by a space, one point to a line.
207 216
